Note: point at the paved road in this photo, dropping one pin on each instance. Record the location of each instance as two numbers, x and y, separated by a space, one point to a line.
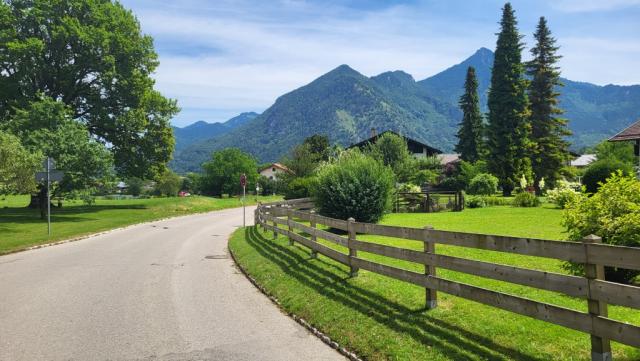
147 292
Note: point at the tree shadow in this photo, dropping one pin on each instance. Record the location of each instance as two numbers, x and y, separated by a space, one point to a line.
450 339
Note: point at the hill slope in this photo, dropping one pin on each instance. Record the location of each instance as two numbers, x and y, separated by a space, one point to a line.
345 105
342 104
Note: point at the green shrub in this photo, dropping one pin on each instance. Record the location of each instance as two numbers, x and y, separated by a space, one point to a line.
300 188
612 213
497 201
168 184
564 193
483 184
355 185
599 171
526 199
475 202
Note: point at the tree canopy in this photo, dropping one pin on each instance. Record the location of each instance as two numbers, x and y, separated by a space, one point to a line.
470 135
548 130
509 127
17 166
222 172
92 56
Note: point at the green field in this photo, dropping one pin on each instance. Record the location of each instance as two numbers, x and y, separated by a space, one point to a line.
384 319
21 227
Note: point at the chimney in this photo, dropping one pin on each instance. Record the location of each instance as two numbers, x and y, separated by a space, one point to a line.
374 133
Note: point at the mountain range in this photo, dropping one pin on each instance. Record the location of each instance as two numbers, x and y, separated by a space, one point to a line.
346 105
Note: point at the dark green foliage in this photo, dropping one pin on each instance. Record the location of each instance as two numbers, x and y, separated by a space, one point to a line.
301 188
17 166
271 186
548 130
425 170
599 171
168 184
222 173
611 213
509 128
474 202
392 151
483 184
616 151
470 135
305 157
355 185
46 126
526 199
134 186
92 56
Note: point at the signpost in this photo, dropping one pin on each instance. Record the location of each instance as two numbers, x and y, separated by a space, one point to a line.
243 183
48 176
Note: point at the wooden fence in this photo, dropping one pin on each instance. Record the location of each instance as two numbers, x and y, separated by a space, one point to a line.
591 252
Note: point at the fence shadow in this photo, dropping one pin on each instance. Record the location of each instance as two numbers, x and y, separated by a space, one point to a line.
332 282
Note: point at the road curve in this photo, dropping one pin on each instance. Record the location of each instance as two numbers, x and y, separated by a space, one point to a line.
166 290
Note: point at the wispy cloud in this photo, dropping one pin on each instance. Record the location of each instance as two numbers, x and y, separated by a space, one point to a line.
580 6
220 58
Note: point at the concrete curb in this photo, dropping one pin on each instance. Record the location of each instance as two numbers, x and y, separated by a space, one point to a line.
319 334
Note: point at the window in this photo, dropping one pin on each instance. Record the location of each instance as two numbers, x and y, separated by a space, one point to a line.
273 169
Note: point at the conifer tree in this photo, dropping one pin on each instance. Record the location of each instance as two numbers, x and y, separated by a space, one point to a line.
549 150
509 128
470 142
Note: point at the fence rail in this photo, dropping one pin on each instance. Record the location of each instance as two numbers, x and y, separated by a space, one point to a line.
591 252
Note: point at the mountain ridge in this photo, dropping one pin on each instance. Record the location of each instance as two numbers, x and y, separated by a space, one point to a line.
344 104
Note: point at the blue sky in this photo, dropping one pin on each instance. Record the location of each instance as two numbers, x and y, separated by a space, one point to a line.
222 57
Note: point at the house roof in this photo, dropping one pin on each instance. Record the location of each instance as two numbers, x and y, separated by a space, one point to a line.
632 132
584 160
447 158
374 138
276 165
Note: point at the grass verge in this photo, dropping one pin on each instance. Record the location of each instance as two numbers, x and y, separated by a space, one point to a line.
21 227
384 319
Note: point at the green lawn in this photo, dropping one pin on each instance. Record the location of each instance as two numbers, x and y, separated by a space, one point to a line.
21 227
384 319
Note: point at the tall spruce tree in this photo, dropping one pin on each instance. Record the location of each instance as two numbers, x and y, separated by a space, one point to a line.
549 150
470 135
509 128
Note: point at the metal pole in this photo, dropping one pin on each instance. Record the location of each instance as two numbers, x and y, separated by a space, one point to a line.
48 196
244 193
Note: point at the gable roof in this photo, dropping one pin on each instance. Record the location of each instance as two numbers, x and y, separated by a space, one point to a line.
409 141
276 165
632 132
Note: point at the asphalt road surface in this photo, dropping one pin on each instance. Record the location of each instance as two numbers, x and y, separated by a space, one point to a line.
166 290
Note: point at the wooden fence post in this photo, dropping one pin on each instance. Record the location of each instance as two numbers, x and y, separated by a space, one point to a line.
431 295
352 251
600 347
289 228
312 223
275 225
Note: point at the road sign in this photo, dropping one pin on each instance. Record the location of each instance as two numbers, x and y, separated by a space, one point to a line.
54 176
243 180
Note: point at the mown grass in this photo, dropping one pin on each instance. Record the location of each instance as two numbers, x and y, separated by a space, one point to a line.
21 227
384 319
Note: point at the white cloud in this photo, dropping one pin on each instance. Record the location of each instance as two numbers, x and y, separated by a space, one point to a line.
220 58
579 6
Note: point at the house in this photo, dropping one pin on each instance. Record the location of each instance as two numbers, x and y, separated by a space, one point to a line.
273 170
417 148
583 160
631 133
